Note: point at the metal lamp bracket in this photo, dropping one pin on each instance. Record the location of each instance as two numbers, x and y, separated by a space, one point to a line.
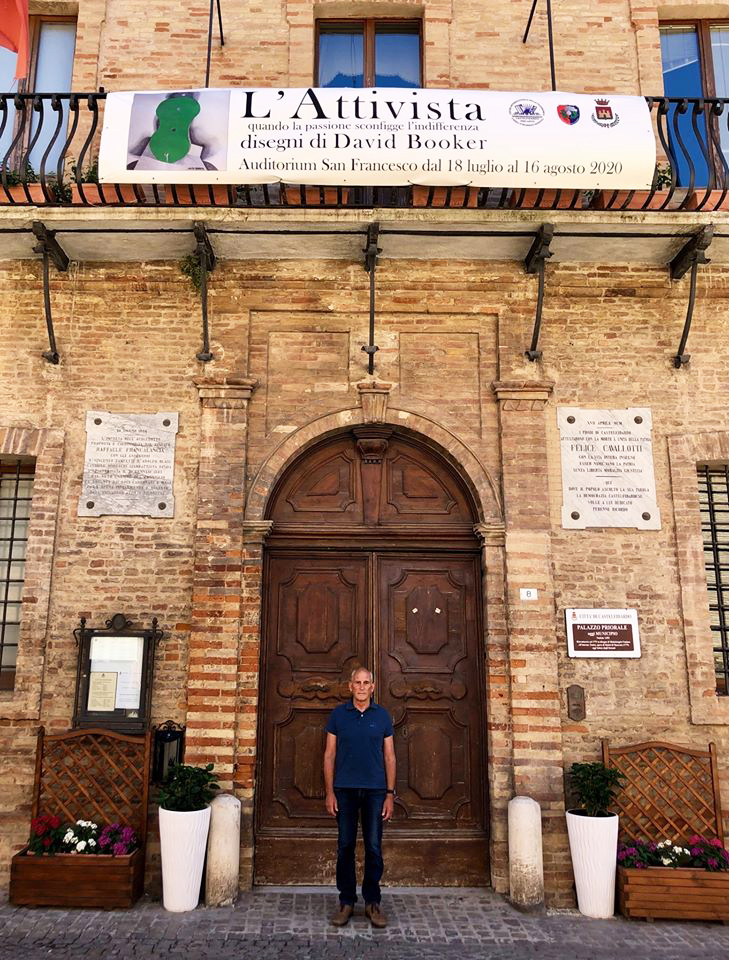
534 263
208 261
50 248
688 258
370 265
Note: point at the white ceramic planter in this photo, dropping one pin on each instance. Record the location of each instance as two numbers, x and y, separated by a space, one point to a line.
183 838
594 848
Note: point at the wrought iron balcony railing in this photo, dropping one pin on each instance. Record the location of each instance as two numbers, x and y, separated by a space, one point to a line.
48 144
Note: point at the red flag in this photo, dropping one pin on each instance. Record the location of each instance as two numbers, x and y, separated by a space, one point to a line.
14 32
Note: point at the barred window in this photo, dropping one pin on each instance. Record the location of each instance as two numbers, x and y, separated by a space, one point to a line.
714 500
16 491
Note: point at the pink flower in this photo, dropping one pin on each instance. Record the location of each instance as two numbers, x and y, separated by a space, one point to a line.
119 849
713 863
715 842
695 851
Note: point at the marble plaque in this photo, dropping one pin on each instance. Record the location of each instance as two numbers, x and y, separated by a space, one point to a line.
607 469
607 634
129 466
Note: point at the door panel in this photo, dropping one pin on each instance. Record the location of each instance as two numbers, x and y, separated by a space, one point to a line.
429 680
317 628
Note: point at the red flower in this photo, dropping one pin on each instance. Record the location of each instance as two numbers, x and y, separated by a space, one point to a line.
40 827
55 822
46 842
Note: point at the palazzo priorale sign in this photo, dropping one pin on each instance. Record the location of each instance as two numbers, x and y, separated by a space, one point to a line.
387 136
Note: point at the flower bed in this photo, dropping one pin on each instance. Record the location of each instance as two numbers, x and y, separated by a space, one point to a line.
674 881
673 893
73 880
78 865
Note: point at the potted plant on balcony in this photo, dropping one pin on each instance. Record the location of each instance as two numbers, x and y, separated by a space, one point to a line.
17 187
184 819
593 837
674 879
86 189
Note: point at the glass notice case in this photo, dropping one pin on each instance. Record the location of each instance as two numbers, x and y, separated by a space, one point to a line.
114 679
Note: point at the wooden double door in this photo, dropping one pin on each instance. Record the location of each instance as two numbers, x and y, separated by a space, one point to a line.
411 615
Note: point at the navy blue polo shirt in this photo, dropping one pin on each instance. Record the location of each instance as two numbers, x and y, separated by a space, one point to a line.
360 760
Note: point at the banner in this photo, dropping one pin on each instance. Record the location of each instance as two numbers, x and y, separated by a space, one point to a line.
370 137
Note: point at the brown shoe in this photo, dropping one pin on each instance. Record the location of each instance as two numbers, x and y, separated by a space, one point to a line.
376 917
341 917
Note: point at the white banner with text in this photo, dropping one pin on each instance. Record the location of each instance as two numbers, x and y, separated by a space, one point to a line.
389 137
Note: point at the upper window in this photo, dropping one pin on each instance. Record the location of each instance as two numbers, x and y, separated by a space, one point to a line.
16 491
368 53
714 501
695 57
52 41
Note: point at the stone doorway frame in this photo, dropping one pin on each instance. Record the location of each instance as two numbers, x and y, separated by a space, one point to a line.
490 529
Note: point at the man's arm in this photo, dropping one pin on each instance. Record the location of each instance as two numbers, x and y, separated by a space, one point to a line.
388 748
330 754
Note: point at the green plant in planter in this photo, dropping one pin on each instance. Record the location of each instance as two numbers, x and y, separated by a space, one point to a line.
89 175
15 177
188 788
595 787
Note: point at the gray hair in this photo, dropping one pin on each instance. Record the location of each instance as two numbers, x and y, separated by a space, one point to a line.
361 670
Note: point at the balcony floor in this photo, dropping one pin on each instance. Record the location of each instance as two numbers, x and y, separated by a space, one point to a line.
121 234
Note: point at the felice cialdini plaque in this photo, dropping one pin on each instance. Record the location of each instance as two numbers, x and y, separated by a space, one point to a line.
607 468
129 466
602 633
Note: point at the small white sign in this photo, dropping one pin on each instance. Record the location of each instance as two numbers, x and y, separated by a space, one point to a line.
528 593
602 633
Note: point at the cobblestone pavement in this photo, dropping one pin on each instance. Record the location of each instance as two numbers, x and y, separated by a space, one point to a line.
278 924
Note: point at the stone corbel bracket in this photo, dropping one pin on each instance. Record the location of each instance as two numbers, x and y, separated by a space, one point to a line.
373 396
523 395
231 393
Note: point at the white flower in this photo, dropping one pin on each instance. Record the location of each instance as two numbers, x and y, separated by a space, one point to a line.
81 846
92 843
678 850
666 861
662 844
68 837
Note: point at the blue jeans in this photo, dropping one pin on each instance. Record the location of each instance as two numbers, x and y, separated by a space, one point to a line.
353 804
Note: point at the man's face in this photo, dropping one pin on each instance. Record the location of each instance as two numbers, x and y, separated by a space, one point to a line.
361 687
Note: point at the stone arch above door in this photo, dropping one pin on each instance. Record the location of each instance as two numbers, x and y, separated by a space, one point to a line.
461 457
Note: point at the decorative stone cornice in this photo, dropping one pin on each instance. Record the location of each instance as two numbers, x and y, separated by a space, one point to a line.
373 395
491 534
256 531
232 393
523 394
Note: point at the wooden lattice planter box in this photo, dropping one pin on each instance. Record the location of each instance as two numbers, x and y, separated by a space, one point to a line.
673 893
77 880
93 773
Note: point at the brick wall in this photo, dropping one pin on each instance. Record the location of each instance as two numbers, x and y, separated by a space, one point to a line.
139 44
128 336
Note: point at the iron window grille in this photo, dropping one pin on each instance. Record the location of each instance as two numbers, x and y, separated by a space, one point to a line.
16 492
714 503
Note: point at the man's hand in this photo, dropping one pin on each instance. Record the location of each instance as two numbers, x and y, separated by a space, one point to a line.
332 808
388 807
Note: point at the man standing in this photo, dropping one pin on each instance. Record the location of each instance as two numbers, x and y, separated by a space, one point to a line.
359 776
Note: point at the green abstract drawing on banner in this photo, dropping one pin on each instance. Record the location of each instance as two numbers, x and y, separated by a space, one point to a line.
171 141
